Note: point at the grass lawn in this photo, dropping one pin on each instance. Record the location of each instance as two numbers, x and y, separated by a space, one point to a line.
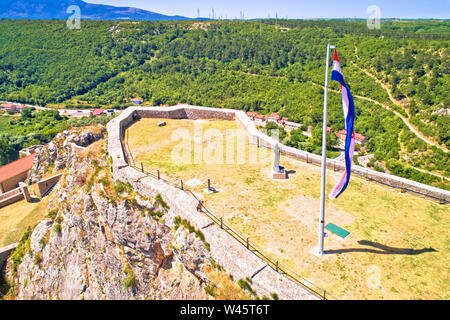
399 246
17 217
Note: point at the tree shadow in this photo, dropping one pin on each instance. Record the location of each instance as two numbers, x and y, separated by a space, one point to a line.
382 249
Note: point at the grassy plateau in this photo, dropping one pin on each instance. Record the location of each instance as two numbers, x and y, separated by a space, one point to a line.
399 244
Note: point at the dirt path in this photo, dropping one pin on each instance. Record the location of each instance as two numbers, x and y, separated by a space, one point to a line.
434 174
385 87
409 125
398 103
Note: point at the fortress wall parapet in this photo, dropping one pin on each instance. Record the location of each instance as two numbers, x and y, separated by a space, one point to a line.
257 137
229 253
5 252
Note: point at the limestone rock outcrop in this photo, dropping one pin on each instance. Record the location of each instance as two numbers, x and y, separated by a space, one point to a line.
95 246
58 153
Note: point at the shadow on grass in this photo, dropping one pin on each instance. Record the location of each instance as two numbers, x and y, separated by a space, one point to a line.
35 199
382 249
290 172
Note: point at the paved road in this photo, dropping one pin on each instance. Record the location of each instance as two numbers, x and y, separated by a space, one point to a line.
78 113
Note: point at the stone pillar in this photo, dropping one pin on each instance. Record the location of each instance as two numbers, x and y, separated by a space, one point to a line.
1 188
26 193
276 162
278 171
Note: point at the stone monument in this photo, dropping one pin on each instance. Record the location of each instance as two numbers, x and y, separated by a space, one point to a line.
278 172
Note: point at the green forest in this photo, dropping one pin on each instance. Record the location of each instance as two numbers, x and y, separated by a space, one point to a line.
265 66
36 128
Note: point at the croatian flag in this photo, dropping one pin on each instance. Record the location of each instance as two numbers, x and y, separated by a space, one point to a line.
349 116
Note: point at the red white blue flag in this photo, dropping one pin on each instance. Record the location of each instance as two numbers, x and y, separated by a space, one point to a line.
349 116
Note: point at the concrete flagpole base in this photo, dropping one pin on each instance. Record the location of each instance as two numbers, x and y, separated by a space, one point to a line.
315 251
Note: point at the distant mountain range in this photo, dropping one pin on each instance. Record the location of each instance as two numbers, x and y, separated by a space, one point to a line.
57 9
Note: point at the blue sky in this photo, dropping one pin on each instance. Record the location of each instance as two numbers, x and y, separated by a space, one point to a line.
292 8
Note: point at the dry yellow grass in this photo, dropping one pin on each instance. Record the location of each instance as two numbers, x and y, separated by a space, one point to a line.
398 247
222 287
16 218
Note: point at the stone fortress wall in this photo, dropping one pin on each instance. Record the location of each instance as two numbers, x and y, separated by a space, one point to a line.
235 258
257 137
5 253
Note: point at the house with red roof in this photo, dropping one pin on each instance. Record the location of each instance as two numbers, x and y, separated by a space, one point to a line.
20 107
274 117
252 114
15 172
8 107
259 119
359 138
98 112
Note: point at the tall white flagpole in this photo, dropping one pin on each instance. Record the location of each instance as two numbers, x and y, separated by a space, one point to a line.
320 251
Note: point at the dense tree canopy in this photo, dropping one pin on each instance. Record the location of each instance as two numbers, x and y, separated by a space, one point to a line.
264 66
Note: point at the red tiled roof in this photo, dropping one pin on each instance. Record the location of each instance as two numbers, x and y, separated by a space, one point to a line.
8 106
16 167
255 114
359 137
97 112
275 116
342 134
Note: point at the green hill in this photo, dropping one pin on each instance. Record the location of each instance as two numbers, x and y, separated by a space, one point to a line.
263 66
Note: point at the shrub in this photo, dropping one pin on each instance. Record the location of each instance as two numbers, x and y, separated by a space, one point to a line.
37 259
245 285
130 279
160 201
57 228
52 214
178 221
22 249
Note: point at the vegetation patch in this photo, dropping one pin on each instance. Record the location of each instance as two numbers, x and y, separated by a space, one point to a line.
22 249
130 278
222 286
179 222
246 284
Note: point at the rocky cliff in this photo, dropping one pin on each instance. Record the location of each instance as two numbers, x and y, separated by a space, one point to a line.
102 240
59 153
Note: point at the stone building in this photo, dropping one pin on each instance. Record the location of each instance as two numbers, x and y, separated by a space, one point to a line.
15 172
